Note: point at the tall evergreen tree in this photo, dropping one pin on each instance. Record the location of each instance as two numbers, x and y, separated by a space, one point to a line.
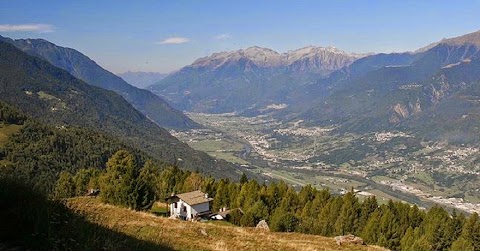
118 183
348 219
65 186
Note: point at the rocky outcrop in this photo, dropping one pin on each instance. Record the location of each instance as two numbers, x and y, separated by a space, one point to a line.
401 111
349 239
262 225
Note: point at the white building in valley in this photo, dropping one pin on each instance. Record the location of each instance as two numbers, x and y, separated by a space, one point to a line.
189 206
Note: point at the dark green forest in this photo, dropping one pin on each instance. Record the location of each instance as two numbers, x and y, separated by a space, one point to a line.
41 165
55 98
42 152
53 163
395 225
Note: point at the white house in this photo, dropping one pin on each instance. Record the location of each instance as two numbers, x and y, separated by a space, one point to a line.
190 205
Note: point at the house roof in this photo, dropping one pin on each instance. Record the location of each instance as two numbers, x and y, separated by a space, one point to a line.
193 198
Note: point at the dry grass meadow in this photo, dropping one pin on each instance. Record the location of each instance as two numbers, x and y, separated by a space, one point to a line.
181 235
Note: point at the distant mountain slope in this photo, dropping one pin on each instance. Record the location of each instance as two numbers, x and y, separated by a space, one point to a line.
250 79
415 91
37 153
87 70
55 97
142 79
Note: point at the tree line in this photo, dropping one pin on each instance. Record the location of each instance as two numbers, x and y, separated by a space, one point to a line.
66 162
395 225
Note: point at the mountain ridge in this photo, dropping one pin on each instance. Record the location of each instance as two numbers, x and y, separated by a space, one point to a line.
82 67
265 57
55 97
402 91
248 80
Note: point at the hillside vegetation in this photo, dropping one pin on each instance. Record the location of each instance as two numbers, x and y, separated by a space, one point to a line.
36 153
29 221
83 68
56 98
182 235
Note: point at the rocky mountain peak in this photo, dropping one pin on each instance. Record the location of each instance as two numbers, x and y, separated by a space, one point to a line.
471 38
262 56
265 57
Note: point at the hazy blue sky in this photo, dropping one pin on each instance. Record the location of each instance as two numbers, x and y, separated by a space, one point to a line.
165 35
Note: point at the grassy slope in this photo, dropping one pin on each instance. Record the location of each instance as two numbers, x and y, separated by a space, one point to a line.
6 131
183 235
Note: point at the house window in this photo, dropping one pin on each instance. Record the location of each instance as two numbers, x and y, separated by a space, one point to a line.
175 205
184 208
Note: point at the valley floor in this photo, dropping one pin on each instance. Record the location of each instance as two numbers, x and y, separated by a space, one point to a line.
390 165
182 235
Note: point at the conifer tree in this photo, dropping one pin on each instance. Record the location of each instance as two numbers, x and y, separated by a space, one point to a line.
81 179
347 221
118 183
371 231
408 239
243 179
65 186
369 206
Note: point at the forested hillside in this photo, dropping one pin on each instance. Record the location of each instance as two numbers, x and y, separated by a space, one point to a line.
66 162
58 99
82 67
395 225
38 153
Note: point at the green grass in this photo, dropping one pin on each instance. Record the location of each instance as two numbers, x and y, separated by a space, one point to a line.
424 177
6 131
160 210
44 95
221 149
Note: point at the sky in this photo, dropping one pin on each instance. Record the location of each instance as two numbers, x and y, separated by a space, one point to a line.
163 36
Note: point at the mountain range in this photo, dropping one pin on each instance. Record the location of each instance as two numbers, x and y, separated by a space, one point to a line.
353 92
414 91
248 79
82 67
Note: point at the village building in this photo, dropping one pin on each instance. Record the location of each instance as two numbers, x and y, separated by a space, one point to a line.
189 206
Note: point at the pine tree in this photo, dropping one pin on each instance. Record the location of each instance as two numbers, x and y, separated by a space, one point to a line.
86 179
282 221
290 202
348 219
118 183
144 194
408 239
389 235
193 182
65 186
329 215
306 194
369 206
243 179
471 231
462 244
371 231
222 197
435 228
